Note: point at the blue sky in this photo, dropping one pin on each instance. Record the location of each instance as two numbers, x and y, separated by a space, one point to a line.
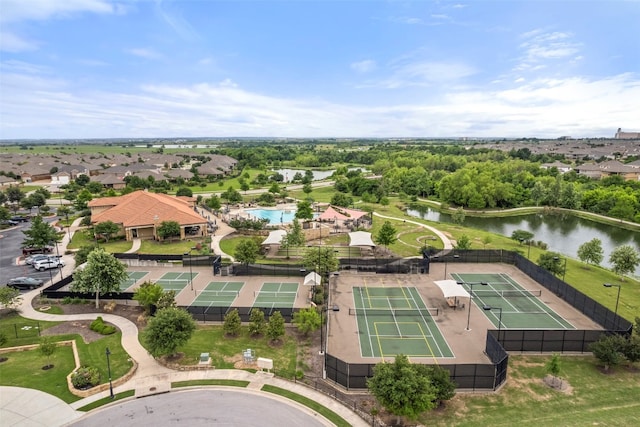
300 68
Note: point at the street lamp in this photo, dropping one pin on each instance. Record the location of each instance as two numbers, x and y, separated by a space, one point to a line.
445 265
609 285
107 352
489 308
190 268
470 298
564 267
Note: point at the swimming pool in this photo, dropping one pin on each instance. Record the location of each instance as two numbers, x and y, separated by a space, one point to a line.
275 216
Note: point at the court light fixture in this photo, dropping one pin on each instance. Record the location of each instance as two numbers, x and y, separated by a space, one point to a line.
489 308
610 285
470 298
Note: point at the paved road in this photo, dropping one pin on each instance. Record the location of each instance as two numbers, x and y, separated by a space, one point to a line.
205 407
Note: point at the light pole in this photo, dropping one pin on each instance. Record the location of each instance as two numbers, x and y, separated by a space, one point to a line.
564 267
489 308
470 299
107 352
190 268
609 285
445 265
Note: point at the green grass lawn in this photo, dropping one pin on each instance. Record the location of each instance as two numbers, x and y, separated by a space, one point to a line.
20 331
225 351
595 398
14 371
83 238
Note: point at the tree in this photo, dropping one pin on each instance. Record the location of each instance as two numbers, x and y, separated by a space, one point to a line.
402 389
257 324
168 229
307 320
521 236
213 203
47 347
275 327
232 323
440 378
463 243
304 211
167 300
608 350
106 229
553 367
321 259
232 195
40 234
247 252
10 298
307 189
486 240
169 329
184 191
81 256
387 234
148 294
295 237
458 216
624 259
591 252
102 274
552 262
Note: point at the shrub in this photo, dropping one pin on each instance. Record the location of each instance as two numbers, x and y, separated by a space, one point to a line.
85 377
100 327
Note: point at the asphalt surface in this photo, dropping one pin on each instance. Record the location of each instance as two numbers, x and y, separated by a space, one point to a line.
204 407
11 263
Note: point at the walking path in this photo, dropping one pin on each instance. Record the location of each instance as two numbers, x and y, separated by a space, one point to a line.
445 240
149 374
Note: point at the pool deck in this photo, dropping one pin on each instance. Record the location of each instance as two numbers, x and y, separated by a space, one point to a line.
242 212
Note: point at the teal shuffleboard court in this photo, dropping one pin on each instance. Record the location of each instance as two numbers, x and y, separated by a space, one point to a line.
396 320
134 277
276 295
175 281
512 306
218 294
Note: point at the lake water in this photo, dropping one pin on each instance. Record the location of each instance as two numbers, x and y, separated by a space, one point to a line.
563 233
317 175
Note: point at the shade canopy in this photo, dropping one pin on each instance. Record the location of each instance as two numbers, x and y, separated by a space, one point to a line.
275 237
360 238
451 289
312 279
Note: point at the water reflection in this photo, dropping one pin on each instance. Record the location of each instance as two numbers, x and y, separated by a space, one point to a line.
563 232
288 174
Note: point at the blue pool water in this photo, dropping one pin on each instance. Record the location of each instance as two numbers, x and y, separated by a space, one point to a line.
275 216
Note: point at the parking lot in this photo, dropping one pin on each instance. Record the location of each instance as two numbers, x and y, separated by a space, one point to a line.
11 260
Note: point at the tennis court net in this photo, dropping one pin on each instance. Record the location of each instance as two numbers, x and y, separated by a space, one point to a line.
512 293
227 294
270 294
178 283
394 312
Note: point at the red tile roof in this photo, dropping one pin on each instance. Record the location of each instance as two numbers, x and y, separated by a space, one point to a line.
142 208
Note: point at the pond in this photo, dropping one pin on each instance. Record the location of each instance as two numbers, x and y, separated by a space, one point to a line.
317 175
564 233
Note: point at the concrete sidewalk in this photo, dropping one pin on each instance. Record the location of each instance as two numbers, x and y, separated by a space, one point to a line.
150 374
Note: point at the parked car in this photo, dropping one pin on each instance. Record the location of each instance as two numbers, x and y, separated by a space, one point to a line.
50 262
33 258
30 250
19 218
10 222
25 283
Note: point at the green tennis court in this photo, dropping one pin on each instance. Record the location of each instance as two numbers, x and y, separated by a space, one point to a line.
134 276
396 320
176 281
512 306
218 294
276 295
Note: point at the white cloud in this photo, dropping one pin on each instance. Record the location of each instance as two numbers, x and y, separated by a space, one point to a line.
11 42
407 20
175 20
144 53
39 10
406 73
540 47
365 66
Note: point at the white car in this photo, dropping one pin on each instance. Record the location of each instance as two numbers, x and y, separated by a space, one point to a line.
47 263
